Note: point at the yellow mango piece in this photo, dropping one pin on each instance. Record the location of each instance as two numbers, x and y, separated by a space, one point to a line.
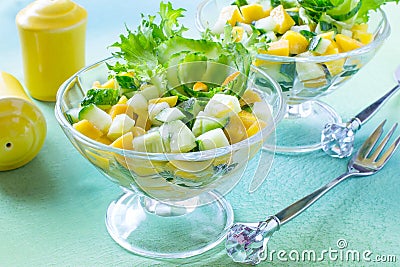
230 78
332 49
278 48
346 43
363 27
235 130
100 161
363 37
256 127
88 129
171 100
297 42
104 140
122 100
335 66
327 35
249 97
237 33
117 109
231 14
124 141
109 84
199 86
253 12
247 118
283 20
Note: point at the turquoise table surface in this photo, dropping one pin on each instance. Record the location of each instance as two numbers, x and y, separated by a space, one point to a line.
52 210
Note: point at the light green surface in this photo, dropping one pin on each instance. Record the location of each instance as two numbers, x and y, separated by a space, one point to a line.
52 210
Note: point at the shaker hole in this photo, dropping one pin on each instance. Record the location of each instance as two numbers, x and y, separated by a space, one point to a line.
9 145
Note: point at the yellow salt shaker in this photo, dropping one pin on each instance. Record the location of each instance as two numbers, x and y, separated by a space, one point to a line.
22 125
52 35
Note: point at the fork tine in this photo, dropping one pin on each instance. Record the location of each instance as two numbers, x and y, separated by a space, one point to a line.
371 141
388 154
382 145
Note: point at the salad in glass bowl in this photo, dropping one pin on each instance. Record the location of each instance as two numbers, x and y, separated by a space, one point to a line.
309 47
174 122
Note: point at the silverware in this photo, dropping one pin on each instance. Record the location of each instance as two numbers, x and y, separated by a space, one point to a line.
247 242
337 139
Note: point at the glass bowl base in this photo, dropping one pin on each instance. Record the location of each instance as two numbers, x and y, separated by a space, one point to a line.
150 228
300 130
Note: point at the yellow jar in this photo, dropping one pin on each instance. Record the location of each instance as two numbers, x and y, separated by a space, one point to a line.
22 125
52 35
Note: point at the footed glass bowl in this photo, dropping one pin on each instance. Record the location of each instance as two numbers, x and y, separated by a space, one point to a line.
304 79
172 204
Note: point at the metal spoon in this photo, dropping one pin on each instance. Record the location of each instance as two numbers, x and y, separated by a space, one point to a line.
337 138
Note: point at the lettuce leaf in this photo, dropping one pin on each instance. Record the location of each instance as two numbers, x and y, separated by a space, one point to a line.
367 5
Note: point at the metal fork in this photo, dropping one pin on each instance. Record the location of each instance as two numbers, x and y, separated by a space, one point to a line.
247 242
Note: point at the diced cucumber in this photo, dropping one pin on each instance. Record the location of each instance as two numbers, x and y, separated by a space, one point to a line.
204 123
177 137
319 44
101 119
121 124
267 24
150 142
220 105
262 111
212 139
154 110
298 28
137 102
72 115
170 114
150 91
309 71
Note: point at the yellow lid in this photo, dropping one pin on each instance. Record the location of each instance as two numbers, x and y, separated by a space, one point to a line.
50 15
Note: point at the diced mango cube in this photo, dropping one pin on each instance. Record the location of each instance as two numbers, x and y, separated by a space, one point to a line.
249 97
283 20
231 14
171 100
327 35
360 27
117 109
109 84
277 48
297 42
104 140
247 118
199 86
124 142
363 37
237 33
122 100
88 129
256 127
230 78
346 43
253 12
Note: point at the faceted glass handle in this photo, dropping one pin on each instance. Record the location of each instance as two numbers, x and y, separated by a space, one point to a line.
247 243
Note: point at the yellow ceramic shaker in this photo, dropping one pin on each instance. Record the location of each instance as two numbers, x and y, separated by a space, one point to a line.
52 35
22 125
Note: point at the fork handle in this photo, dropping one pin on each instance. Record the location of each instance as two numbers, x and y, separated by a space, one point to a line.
369 111
301 205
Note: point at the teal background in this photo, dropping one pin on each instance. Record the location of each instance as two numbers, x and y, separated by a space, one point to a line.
52 210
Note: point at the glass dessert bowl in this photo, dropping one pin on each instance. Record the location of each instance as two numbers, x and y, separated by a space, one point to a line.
304 79
171 196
